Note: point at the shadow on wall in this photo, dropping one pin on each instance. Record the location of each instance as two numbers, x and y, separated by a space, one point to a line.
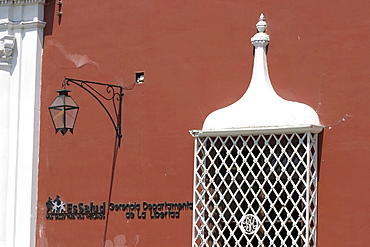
49 13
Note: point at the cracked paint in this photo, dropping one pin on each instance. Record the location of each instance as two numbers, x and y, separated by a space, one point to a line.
343 119
136 240
78 59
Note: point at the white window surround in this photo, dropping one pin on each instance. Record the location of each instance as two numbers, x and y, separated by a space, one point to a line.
21 36
255 167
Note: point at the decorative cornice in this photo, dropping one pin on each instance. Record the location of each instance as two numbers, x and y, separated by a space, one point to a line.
22 24
21 2
7 44
259 130
30 20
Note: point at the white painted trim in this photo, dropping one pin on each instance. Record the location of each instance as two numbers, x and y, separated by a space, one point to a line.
258 131
20 87
22 24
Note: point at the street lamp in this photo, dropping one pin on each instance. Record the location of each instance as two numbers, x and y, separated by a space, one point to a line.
63 111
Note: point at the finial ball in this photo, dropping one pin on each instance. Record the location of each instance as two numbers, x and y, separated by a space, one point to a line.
261 25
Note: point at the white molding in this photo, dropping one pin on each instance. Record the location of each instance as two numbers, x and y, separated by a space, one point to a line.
6 50
22 24
258 131
6 46
21 2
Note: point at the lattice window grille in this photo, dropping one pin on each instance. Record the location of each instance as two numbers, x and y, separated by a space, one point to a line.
272 178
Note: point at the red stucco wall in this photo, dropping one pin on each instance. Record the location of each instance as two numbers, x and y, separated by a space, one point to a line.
197 58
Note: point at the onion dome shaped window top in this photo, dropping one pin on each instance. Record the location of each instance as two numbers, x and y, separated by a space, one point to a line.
256 167
260 108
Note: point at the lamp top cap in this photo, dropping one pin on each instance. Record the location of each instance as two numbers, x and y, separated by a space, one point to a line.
63 91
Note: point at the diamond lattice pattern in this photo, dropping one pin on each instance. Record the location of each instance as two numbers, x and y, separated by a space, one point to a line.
271 177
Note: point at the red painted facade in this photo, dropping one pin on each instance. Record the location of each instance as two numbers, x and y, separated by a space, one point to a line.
197 58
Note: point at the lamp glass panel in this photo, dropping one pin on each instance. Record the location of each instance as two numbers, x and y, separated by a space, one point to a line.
57 114
70 116
70 102
58 101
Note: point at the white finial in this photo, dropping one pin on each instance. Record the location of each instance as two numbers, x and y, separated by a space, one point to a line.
261 38
261 25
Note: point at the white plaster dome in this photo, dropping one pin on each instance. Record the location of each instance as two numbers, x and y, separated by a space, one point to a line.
260 106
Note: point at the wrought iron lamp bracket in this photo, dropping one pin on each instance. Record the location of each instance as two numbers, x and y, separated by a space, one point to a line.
114 94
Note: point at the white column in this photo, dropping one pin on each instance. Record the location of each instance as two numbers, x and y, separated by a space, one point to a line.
4 150
20 81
